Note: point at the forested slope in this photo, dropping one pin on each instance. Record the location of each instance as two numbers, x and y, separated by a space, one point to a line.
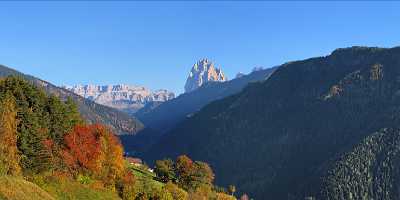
91 111
162 118
279 139
168 114
369 171
47 151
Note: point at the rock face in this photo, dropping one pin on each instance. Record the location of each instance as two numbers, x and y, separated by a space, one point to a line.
202 72
127 98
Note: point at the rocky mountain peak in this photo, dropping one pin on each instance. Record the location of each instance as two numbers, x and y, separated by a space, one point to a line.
202 72
129 98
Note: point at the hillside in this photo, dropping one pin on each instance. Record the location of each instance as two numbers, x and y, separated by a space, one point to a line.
47 151
91 111
161 118
368 171
282 137
18 188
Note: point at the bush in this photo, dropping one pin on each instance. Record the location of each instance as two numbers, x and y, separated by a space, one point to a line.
223 196
176 192
84 179
127 186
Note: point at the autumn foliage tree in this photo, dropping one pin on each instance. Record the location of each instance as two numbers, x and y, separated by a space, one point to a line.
232 189
42 122
185 170
9 157
203 175
165 170
176 192
95 151
82 149
42 136
192 175
113 163
127 186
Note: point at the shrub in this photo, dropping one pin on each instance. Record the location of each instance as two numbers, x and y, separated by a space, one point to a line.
223 196
164 170
84 179
176 192
127 186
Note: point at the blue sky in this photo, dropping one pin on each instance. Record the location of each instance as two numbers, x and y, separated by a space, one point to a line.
155 43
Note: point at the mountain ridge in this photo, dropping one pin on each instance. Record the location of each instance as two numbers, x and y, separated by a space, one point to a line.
124 97
300 121
91 111
163 117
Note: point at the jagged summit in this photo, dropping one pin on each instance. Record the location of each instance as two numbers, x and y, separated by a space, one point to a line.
124 97
202 72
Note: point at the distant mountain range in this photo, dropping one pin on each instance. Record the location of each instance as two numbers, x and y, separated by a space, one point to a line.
91 111
127 98
321 128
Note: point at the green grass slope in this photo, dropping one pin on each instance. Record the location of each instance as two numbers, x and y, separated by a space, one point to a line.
14 188
72 190
146 180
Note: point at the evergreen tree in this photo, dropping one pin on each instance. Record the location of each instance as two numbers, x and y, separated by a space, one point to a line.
73 117
57 112
31 130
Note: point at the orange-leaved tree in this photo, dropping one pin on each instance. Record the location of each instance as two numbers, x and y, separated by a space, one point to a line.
94 150
185 170
9 157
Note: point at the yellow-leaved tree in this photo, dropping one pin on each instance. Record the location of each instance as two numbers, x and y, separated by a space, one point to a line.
9 157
